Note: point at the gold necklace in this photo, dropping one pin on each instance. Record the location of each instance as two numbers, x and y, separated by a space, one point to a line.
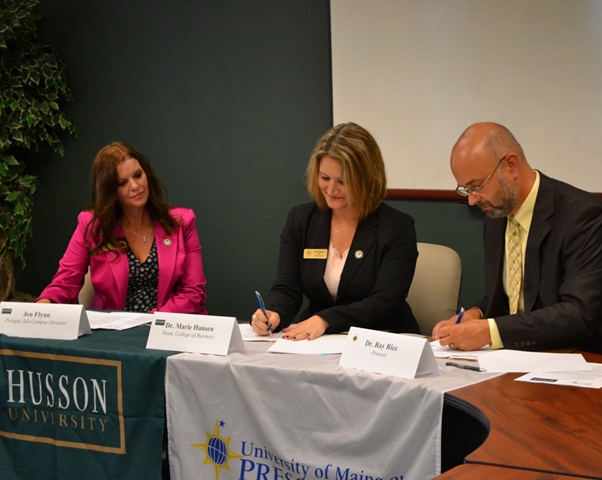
143 237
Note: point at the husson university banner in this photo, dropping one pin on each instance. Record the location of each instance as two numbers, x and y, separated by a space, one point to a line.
71 408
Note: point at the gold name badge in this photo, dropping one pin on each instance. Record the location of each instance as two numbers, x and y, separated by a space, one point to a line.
315 253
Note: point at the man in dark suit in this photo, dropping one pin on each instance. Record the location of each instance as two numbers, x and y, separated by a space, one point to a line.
558 299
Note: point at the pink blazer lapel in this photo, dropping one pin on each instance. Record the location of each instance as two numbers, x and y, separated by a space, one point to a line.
119 268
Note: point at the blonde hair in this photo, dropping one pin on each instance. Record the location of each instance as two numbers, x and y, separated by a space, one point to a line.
363 167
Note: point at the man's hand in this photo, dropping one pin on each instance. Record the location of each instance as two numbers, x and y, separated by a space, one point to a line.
466 335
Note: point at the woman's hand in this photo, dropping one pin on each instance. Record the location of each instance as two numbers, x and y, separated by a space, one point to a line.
309 329
259 322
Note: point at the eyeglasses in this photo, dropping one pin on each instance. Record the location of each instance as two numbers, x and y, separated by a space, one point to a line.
465 191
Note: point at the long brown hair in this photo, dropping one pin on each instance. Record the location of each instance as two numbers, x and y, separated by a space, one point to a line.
105 207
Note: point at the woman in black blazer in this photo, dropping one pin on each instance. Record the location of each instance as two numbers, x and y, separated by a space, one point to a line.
349 254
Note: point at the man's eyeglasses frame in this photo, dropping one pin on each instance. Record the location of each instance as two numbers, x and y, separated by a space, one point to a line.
465 191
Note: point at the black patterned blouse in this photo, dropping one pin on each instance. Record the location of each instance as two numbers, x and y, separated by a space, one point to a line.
143 282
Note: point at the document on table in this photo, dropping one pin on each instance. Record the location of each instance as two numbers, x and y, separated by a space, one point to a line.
448 352
117 320
581 378
505 360
326 344
248 335
519 361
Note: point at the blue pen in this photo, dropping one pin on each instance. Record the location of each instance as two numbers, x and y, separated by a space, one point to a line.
460 315
262 307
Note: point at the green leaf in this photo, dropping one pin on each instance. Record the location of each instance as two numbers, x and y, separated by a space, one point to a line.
9 160
17 135
28 180
32 85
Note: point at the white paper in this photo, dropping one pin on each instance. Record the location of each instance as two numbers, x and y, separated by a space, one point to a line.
249 335
586 378
506 360
117 320
448 352
519 361
324 345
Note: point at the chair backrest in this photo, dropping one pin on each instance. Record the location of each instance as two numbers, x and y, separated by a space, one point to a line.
435 289
86 294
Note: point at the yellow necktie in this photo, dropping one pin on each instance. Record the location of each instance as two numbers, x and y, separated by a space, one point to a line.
515 264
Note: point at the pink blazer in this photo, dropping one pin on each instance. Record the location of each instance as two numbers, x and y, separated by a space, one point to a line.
181 279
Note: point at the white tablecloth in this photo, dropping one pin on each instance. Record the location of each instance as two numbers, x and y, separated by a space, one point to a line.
259 415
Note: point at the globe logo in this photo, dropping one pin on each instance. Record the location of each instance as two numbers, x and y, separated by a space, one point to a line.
217 451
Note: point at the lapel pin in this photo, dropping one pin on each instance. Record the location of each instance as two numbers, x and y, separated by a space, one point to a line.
167 242
359 254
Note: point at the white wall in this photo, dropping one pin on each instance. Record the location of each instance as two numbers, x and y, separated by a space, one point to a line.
417 72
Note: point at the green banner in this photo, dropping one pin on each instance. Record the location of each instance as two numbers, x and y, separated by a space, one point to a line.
90 408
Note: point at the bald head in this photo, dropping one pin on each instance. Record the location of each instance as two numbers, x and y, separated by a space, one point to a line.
487 140
488 152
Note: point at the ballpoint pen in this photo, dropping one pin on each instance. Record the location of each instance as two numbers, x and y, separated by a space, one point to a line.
262 307
465 367
460 315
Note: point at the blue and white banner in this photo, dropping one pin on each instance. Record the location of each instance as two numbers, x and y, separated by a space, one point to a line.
258 415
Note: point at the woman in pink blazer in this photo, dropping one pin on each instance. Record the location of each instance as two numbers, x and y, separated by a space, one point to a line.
144 255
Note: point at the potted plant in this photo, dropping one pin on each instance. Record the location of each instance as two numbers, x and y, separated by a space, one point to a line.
33 83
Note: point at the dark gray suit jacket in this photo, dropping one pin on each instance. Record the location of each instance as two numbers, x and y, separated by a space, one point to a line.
563 272
374 282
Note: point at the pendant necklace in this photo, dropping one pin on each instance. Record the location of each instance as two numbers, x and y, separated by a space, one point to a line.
143 237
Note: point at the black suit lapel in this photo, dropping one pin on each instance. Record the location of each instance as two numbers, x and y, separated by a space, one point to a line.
544 209
362 243
318 236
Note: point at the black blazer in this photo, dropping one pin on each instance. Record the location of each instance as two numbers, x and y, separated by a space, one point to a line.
563 272
375 279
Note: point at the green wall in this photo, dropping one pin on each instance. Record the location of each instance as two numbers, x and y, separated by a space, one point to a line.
227 99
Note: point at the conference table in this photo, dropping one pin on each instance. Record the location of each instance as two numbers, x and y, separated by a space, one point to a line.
96 407
552 429
494 423
490 472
